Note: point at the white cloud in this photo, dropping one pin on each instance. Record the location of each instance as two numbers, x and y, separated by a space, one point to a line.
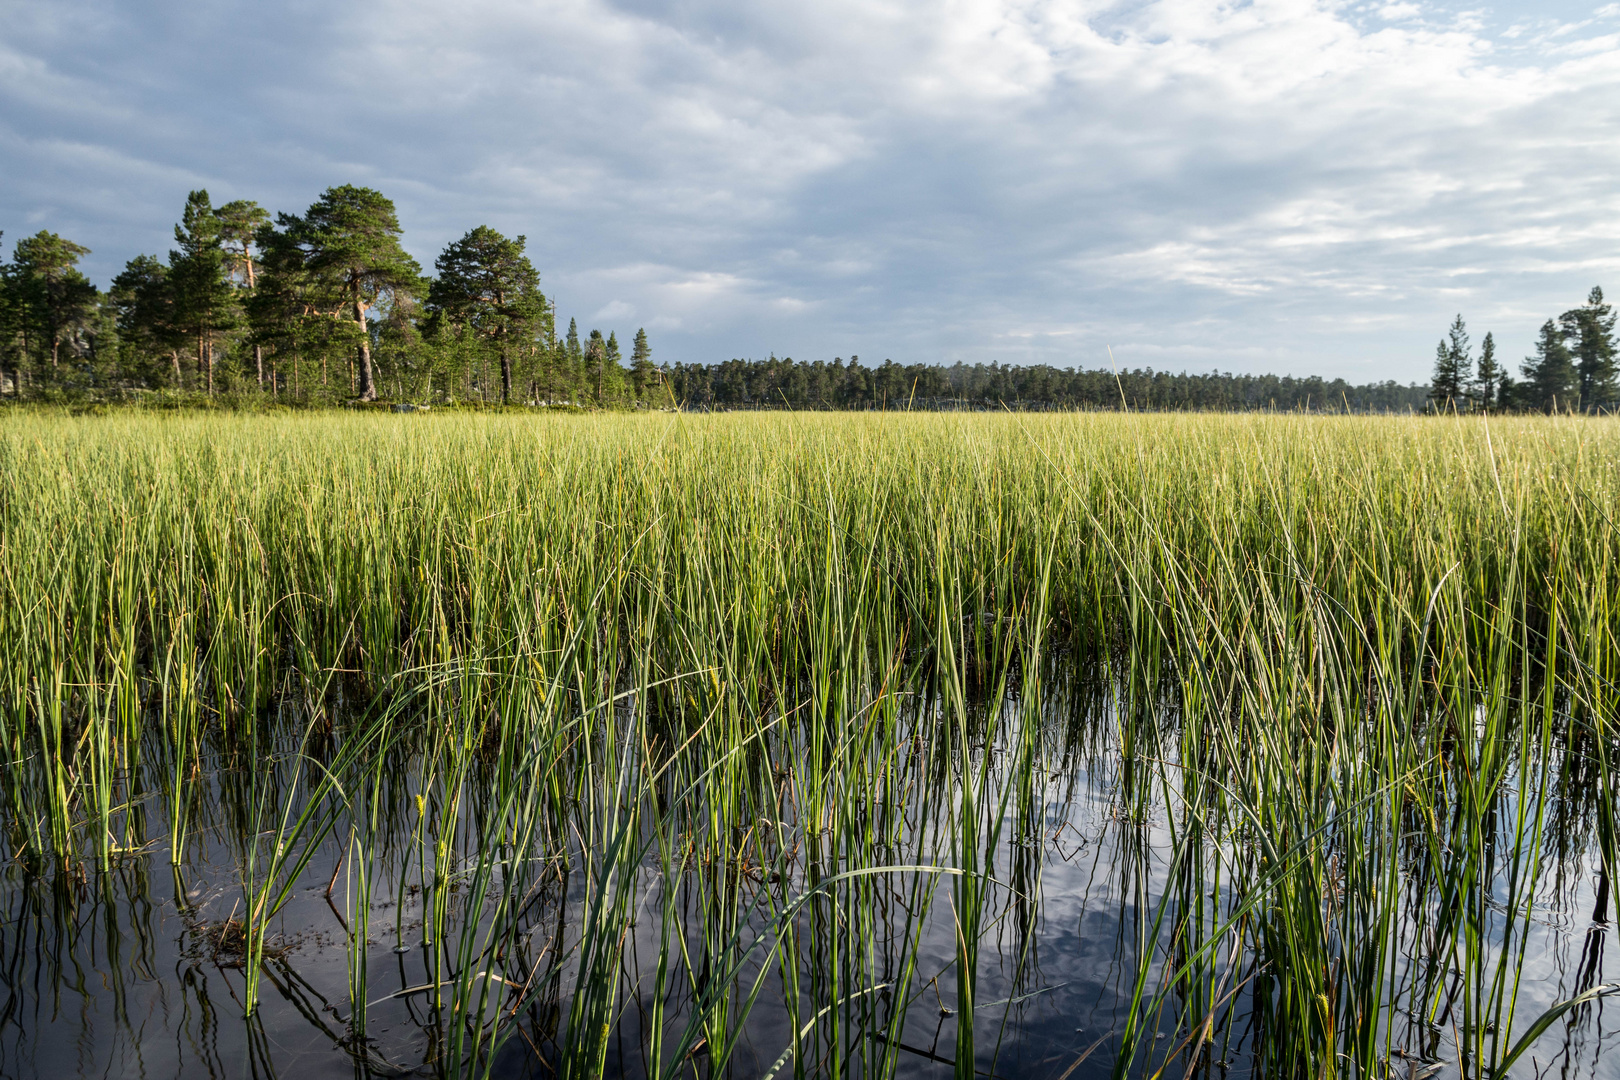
615 309
925 179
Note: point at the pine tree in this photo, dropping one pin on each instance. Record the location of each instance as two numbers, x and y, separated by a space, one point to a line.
11 329
1550 377
240 223
1590 331
487 285
346 249
1488 375
49 295
204 300
147 329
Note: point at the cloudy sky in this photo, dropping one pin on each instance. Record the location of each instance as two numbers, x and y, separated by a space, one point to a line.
1308 186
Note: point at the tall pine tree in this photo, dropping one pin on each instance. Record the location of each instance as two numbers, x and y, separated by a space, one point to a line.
51 299
204 300
346 250
240 223
488 287
149 334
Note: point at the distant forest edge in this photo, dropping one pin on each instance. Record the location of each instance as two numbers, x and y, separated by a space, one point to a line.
326 308
778 384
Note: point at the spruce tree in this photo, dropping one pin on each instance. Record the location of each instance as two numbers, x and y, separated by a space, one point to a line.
596 362
643 374
1590 332
574 357
1488 375
1452 368
1446 385
1550 377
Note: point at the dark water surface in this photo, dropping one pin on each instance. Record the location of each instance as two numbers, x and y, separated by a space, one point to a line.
137 970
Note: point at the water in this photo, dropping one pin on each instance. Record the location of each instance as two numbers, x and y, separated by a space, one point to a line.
137 970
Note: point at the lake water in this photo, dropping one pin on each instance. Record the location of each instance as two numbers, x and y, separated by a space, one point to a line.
137 970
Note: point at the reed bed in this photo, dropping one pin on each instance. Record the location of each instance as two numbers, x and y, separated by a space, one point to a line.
684 732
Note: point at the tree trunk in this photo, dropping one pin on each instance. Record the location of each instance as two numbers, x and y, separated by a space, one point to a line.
506 378
368 388
258 362
174 358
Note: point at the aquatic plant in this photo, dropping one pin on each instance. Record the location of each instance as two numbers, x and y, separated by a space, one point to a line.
656 732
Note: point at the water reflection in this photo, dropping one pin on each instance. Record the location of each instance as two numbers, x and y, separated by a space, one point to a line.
1087 896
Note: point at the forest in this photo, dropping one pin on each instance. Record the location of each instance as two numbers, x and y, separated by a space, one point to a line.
327 307
785 383
318 308
1573 369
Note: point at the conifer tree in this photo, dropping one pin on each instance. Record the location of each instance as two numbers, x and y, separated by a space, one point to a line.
145 312
487 285
1446 384
574 357
1550 374
240 223
1590 333
346 250
1488 375
204 300
643 374
1509 392
49 296
1452 367
596 362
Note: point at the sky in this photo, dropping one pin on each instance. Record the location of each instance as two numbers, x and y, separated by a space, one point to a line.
1294 186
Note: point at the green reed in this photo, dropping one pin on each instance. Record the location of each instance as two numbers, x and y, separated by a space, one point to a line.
766 696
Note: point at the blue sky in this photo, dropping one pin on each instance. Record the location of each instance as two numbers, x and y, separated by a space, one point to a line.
1302 186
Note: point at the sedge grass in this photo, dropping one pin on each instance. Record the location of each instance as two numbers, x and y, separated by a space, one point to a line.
765 695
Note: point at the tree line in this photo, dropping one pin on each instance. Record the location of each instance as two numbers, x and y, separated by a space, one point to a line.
316 307
327 306
785 383
1573 369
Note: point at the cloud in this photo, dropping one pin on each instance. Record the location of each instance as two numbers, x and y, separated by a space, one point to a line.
615 310
1287 184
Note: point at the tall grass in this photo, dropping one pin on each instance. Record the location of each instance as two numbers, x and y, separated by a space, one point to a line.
757 699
